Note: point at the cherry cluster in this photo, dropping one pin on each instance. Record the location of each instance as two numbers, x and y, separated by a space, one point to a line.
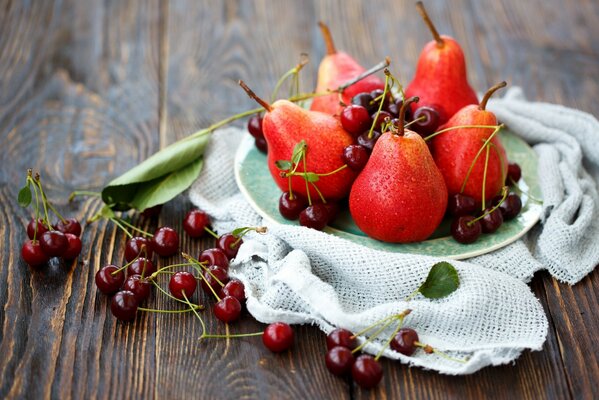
468 224
255 129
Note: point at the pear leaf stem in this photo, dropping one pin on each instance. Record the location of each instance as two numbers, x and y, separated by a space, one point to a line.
493 89
429 23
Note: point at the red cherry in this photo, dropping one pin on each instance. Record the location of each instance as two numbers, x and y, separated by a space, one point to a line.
73 247
261 144
369 142
107 281
290 208
138 247
511 206
366 371
139 286
229 244
33 254
182 282
214 256
356 156
278 337
341 337
460 204
41 228
69 225
404 341
210 279
380 119
54 243
514 173
234 288
429 122
255 126
465 230
339 360
124 305
228 309
491 221
355 119
152 211
315 216
165 241
141 266
195 223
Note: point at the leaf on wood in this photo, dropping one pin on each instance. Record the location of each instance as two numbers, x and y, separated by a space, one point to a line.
24 196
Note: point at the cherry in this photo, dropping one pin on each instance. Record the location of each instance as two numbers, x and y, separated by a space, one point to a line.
277 337
139 286
290 208
365 100
234 288
514 173
366 371
392 109
491 221
510 208
229 243
228 309
141 266
73 247
355 119
404 341
341 337
41 228
54 243
138 246
339 360
430 121
460 204
367 142
255 126
182 282
195 223
380 119
332 210
315 216
210 279
355 156
261 144
32 253
107 281
214 256
124 305
165 241
465 230
152 211
378 93
69 225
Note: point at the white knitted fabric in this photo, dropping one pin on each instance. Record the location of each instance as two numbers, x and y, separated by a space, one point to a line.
298 275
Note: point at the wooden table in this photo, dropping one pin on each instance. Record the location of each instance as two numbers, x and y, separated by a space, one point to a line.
89 89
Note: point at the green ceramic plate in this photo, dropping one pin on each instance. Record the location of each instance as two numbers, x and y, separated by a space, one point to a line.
255 182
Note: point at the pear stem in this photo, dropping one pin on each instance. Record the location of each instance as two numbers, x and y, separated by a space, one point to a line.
328 38
493 89
253 95
402 113
429 23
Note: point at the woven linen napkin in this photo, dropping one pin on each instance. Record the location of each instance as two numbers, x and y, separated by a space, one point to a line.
299 275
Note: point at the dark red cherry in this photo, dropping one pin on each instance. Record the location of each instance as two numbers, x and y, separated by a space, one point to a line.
124 305
138 247
377 94
73 248
141 266
290 208
392 109
341 337
228 309
315 216
139 286
108 280
339 360
366 371
213 279
355 119
152 211
182 282
460 204
32 253
255 126
514 173
195 223
491 220
278 337
465 230
511 206
234 288
261 144
365 100
54 243
367 141
404 341
165 241
41 228
356 156
229 244
380 119
429 122
69 225
332 210
214 256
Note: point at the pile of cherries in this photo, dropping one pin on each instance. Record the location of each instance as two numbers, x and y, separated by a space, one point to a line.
46 241
468 224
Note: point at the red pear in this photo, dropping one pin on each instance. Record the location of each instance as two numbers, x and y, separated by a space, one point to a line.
400 195
335 69
454 152
441 79
285 124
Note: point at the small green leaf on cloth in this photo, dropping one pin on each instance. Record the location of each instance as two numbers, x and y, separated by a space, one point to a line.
442 280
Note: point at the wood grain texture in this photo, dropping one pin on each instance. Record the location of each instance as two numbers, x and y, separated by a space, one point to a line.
88 89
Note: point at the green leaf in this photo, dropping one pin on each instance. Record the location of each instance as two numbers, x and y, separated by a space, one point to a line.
24 196
159 178
441 281
298 152
283 165
240 231
311 177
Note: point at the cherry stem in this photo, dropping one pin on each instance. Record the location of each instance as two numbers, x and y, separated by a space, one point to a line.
126 265
124 222
374 335
485 144
83 193
47 218
452 128
37 207
45 200
420 118
293 71
429 349
238 335
484 185
192 306
402 113
363 331
328 38
253 96
324 201
504 193
493 89
117 223
167 293
387 77
212 233
412 295
399 325
196 262
429 23
517 187
161 270
154 310
305 172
